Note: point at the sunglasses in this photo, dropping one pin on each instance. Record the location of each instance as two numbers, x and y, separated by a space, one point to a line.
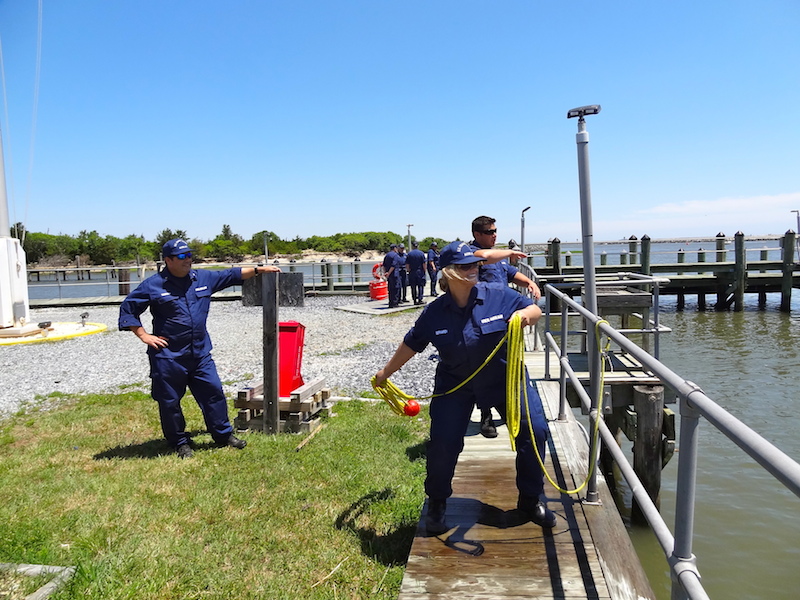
489 232
183 255
468 267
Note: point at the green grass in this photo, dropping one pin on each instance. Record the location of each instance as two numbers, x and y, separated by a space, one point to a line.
92 484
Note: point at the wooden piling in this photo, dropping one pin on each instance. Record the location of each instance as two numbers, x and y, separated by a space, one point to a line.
701 298
681 295
740 272
632 248
269 294
645 258
722 285
788 269
124 277
648 402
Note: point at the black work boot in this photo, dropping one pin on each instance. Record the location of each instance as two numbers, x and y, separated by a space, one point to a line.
536 511
488 430
233 442
184 451
434 520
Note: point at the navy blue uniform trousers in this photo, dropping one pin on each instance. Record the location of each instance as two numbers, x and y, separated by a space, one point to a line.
170 379
450 417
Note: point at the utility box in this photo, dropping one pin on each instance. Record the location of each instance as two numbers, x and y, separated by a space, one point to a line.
291 336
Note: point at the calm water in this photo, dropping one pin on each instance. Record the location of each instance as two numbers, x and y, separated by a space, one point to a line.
747 526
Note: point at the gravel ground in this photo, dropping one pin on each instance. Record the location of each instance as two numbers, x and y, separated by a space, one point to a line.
343 347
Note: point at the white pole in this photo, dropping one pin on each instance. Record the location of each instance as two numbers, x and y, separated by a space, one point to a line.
5 225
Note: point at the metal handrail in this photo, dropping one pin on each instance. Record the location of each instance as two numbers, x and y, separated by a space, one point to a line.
319 276
693 405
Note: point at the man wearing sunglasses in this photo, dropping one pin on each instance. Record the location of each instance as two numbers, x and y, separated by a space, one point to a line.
498 272
179 348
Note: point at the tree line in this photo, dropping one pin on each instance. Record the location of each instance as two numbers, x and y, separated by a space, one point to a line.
228 246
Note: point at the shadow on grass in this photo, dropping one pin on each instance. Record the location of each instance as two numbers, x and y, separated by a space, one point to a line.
390 548
417 452
149 449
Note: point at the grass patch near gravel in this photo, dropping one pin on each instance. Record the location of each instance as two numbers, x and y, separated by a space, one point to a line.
91 484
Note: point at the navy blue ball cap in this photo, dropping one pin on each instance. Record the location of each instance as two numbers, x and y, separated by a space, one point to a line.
458 253
173 247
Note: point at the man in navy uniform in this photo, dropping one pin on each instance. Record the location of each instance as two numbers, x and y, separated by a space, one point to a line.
415 265
391 270
402 256
499 273
433 266
179 348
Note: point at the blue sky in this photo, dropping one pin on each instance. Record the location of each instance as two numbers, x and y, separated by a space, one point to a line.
312 118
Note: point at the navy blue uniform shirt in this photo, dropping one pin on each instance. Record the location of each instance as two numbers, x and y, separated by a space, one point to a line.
464 338
416 261
501 272
179 307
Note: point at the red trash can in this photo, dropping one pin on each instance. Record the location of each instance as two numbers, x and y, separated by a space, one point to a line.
291 335
378 290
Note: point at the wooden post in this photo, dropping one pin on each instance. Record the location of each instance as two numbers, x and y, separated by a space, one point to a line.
124 277
632 248
701 298
762 295
269 294
328 270
554 255
740 272
568 259
648 402
722 284
603 258
623 258
645 259
681 295
788 269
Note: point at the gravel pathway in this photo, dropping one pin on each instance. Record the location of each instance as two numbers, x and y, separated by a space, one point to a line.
343 347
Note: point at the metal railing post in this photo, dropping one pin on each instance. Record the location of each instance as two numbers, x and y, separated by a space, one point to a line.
685 491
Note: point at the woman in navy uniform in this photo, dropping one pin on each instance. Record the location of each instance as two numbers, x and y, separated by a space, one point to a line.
465 325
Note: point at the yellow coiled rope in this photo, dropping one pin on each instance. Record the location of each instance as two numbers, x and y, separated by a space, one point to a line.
397 398
515 377
516 384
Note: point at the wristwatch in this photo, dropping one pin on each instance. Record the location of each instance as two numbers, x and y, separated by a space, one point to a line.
255 270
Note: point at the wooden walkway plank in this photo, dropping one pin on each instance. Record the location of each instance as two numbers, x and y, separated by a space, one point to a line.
492 551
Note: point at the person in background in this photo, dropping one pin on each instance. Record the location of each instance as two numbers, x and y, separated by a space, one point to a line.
415 264
401 253
499 273
391 270
465 325
433 266
179 348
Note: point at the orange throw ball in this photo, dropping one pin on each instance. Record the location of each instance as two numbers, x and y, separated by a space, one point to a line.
411 408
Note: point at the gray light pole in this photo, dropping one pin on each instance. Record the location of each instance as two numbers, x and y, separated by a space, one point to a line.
797 212
408 245
590 292
522 229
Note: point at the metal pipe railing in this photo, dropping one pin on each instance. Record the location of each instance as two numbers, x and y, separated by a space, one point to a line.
694 404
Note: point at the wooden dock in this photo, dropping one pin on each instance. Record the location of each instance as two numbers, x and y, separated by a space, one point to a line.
491 551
